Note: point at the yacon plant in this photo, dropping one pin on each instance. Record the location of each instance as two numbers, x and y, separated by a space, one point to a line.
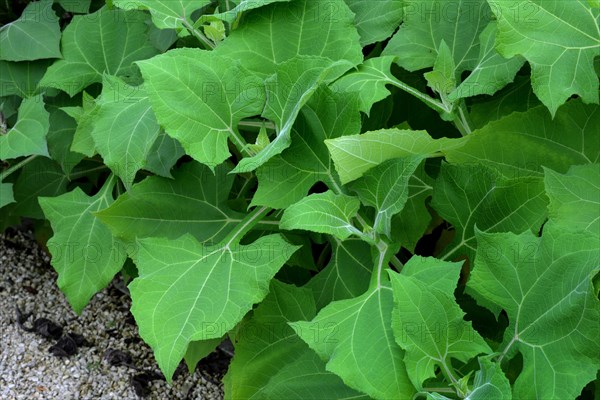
372 199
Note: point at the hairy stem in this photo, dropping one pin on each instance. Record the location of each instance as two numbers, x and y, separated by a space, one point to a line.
16 167
198 34
246 225
430 101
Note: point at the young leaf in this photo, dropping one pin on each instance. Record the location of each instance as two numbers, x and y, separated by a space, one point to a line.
28 135
492 71
236 12
442 79
119 38
164 155
147 209
431 340
187 291
287 92
346 275
166 14
376 20
575 198
490 382
343 331
545 286
125 128
286 179
84 252
83 141
355 155
385 188
35 35
6 194
278 32
469 195
536 140
199 98
559 39
325 213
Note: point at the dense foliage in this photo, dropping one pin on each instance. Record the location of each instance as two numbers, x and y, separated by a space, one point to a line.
372 199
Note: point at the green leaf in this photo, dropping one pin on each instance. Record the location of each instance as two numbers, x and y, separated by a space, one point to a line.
75 6
288 90
278 32
166 14
368 81
120 38
376 20
559 39
21 78
469 195
42 177
28 135
490 382
575 198
536 140
436 274
6 194
125 128
343 331
35 35
325 213
199 98
84 252
199 195
492 71
60 137
385 188
429 22
545 286
164 155
186 291
197 350
431 340
355 155
346 275
83 141
443 78
286 179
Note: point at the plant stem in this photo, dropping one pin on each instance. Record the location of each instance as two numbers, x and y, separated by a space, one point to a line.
430 101
198 34
16 167
462 120
246 225
258 124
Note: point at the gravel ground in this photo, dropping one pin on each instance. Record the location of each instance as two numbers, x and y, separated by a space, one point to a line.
111 361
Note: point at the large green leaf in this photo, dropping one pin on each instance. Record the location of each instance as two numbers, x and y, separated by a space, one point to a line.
545 286
84 252
60 137
125 128
28 135
163 155
166 14
280 31
355 337
492 71
75 6
428 323
375 20
575 198
186 291
269 354
105 42
536 140
429 22
473 195
385 188
346 275
21 78
288 90
35 35
355 155
325 213
6 194
287 178
199 196
560 40
199 98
